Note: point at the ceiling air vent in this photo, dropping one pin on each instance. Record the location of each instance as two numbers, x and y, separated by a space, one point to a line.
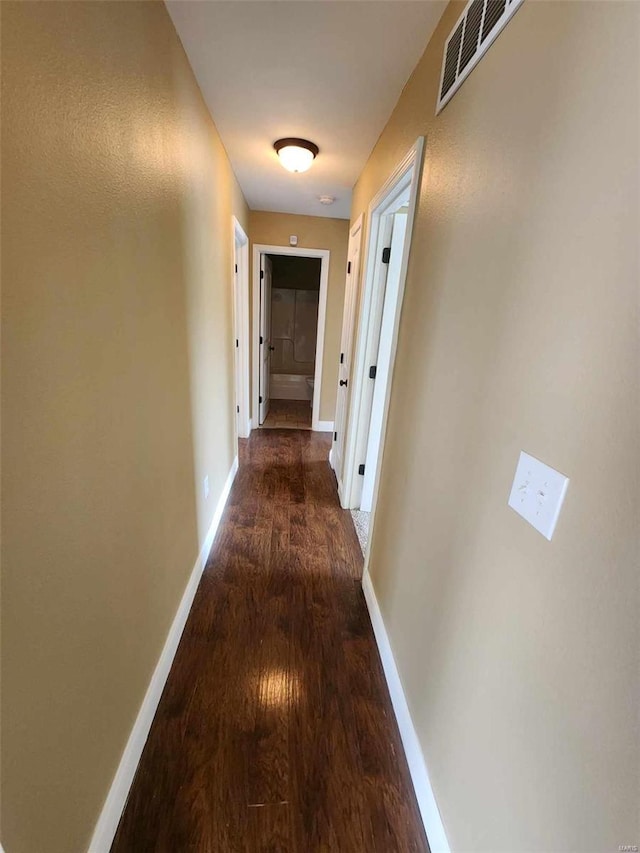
474 31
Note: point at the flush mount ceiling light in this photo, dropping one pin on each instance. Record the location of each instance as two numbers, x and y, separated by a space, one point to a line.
296 155
326 199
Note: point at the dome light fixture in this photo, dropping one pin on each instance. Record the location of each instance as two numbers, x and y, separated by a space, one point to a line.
296 155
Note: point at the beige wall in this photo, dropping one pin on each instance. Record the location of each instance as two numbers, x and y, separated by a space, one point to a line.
117 387
519 330
314 232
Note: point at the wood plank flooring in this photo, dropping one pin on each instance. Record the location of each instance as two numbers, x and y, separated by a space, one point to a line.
275 731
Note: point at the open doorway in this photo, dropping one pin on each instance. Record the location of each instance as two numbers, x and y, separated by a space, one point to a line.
290 292
391 219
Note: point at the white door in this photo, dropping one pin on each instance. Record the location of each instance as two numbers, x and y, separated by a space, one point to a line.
236 343
381 269
383 360
346 348
265 335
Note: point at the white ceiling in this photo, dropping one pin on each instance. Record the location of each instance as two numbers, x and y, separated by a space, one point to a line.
327 70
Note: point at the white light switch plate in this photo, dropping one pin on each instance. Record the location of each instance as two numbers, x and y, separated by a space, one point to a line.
537 493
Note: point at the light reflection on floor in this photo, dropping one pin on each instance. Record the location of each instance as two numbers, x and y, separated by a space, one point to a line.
278 688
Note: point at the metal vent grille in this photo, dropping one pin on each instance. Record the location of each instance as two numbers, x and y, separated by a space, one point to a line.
475 30
494 11
451 59
471 33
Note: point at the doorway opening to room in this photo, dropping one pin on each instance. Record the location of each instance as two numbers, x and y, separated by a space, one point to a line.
290 292
357 455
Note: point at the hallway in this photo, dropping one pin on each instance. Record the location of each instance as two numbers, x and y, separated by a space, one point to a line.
275 730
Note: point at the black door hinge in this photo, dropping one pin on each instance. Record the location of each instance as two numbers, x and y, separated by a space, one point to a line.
237 344
361 469
386 254
236 267
349 268
335 436
238 409
372 371
341 358
260 399
261 341
261 274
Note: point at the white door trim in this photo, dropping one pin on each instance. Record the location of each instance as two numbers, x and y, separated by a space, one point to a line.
241 324
324 255
406 173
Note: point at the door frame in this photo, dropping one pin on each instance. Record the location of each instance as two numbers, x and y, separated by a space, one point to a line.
241 326
324 255
407 173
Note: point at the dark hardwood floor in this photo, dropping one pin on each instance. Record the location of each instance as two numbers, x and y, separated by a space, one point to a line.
275 731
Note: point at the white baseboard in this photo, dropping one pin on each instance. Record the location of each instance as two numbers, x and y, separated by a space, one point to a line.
107 824
323 426
330 463
431 819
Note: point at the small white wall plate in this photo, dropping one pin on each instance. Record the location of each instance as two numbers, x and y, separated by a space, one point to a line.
537 493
